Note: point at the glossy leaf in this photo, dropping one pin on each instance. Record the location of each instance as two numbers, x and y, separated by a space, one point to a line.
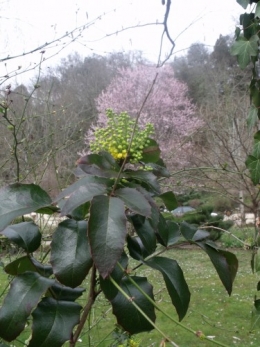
70 252
145 231
175 282
61 292
53 322
144 177
136 248
253 165
25 235
80 212
127 315
19 199
245 49
173 233
24 294
81 195
158 170
225 263
188 231
99 165
108 288
27 263
107 232
169 200
134 200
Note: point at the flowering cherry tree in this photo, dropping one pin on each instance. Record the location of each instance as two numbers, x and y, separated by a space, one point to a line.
167 107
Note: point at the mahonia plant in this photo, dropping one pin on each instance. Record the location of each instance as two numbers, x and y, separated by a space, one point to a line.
93 249
122 137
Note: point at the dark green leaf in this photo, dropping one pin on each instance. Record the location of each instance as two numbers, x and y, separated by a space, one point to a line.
136 248
200 235
173 233
107 232
127 315
25 292
134 200
81 195
243 3
144 177
19 199
175 282
151 153
145 231
65 293
80 212
169 200
53 322
225 263
258 286
188 231
117 274
158 170
101 165
25 235
245 49
70 252
27 263
48 210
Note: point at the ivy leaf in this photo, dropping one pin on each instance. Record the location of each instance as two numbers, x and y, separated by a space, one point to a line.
243 3
24 294
25 235
19 199
175 282
169 200
27 263
127 315
256 147
225 263
53 322
70 252
134 200
245 49
252 117
107 232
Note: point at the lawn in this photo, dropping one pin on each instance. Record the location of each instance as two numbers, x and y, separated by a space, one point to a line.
211 310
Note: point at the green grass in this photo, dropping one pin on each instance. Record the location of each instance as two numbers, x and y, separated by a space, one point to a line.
211 310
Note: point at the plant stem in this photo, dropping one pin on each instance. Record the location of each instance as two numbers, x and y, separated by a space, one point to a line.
91 299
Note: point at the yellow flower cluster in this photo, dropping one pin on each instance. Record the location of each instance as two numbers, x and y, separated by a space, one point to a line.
130 343
115 137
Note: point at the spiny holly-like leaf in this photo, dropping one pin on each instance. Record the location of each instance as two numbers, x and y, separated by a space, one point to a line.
173 233
101 165
27 263
243 3
175 282
53 322
107 232
61 292
253 165
225 263
19 199
25 292
25 235
144 178
245 49
107 286
134 200
127 315
169 200
70 252
145 231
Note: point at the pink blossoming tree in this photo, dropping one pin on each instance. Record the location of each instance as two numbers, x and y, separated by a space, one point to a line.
167 107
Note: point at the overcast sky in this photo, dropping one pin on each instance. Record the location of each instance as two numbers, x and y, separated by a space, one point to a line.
30 23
